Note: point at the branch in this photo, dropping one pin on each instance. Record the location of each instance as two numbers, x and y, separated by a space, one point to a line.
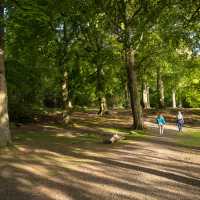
192 17
28 8
146 57
140 40
113 22
89 39
17 4
134 14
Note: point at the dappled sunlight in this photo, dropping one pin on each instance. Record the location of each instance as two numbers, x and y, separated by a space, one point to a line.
181 189
52 127
25 182
53 193
50 162
99 176
34 169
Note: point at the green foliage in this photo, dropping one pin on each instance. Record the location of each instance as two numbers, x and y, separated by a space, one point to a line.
45 38
192 87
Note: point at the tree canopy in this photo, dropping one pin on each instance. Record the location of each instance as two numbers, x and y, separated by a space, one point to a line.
82 53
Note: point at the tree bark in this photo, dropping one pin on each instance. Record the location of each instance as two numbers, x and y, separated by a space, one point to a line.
126 96
67 105
133 89
100 90
5 137
174 98
145 96
160 89
180 104
102 106
148 98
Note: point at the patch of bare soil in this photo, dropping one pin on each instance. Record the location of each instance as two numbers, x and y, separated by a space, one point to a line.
49 167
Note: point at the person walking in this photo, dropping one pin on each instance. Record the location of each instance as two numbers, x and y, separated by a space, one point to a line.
160 120
180 121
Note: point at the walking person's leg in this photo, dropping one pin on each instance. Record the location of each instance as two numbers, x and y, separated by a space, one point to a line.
178 126
181 127
162 129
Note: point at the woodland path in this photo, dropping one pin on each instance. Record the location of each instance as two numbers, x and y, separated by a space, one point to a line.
51 162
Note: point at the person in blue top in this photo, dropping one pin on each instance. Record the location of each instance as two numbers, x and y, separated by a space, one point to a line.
160 120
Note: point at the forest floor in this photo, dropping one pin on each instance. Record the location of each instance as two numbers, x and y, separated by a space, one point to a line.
49 161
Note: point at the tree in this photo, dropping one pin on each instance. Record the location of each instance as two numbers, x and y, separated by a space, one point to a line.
108 50
5 137
130 21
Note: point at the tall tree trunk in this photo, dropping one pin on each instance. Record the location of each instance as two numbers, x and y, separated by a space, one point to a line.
160 89
65 95
5 137
126 96
174 98
65 80
133 89
100 91
102 106
180 104
145 95
148 98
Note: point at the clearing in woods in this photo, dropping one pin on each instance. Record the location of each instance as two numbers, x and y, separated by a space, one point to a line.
53 162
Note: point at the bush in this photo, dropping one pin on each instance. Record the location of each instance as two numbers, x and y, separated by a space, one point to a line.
21 113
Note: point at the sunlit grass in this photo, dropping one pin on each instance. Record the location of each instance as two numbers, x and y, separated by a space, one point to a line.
55 139
137 135
187 139
190 139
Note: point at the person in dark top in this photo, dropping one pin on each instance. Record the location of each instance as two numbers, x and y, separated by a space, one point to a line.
180 121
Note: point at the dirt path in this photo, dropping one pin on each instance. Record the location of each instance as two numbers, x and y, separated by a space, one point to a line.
54 166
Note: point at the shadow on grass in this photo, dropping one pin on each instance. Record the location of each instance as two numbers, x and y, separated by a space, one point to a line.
188 141
46 173
50 162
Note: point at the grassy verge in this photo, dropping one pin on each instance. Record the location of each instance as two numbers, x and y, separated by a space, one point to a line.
39 138
189 139
55 139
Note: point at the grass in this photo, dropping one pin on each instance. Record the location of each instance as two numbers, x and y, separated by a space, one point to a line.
189 139
137 135
55 139
44 138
